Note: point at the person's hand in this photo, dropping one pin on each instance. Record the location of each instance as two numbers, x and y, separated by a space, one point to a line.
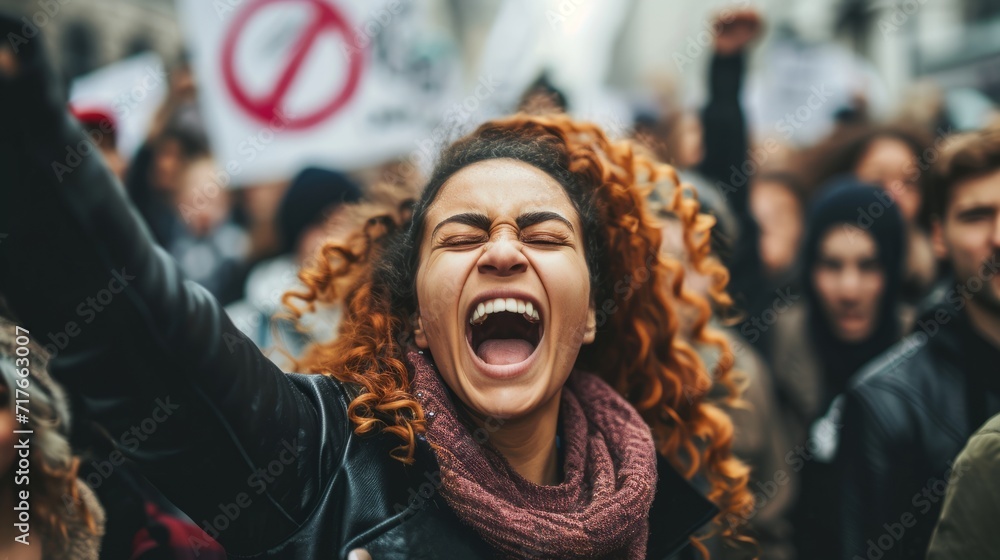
9 66
734 30
8 62
30 92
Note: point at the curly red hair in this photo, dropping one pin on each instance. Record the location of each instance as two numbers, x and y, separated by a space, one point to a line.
637 350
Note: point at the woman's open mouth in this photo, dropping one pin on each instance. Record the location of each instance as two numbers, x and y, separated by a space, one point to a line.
503 333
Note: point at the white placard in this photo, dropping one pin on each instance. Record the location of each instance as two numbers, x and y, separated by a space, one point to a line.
130 91
339 83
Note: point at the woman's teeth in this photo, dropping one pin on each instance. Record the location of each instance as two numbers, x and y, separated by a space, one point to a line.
499 305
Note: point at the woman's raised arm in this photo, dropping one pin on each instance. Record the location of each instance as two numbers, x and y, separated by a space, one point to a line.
220 430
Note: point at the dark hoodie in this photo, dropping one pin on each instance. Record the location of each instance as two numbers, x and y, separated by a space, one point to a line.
846 201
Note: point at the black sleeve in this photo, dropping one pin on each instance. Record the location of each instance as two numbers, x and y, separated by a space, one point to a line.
215 425
723 122
725 165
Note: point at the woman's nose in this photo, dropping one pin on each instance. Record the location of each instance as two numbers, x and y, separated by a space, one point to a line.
503 257
850 283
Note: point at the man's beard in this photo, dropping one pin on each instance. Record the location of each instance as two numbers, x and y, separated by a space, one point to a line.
987 297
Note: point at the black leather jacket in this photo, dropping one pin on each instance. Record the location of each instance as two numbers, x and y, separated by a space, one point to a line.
905 419
266 462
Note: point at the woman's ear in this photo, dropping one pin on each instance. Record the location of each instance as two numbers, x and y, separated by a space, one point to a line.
590 330
418 335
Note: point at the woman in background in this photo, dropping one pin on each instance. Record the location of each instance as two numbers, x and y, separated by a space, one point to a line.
65 521
848 314
891 157
759 439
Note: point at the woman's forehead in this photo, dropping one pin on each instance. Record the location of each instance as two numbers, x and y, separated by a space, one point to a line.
499 187
846 240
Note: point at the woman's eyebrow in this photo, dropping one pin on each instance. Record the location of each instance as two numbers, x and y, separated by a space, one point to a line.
483 222
529 219
478 221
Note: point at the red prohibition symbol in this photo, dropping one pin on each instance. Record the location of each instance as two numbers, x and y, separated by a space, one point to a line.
326 19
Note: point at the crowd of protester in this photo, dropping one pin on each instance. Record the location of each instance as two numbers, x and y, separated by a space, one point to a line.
854 283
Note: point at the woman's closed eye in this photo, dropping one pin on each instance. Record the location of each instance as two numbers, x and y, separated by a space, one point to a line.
545 238
463 240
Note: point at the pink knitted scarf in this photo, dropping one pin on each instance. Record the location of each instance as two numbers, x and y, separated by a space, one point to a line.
601 508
